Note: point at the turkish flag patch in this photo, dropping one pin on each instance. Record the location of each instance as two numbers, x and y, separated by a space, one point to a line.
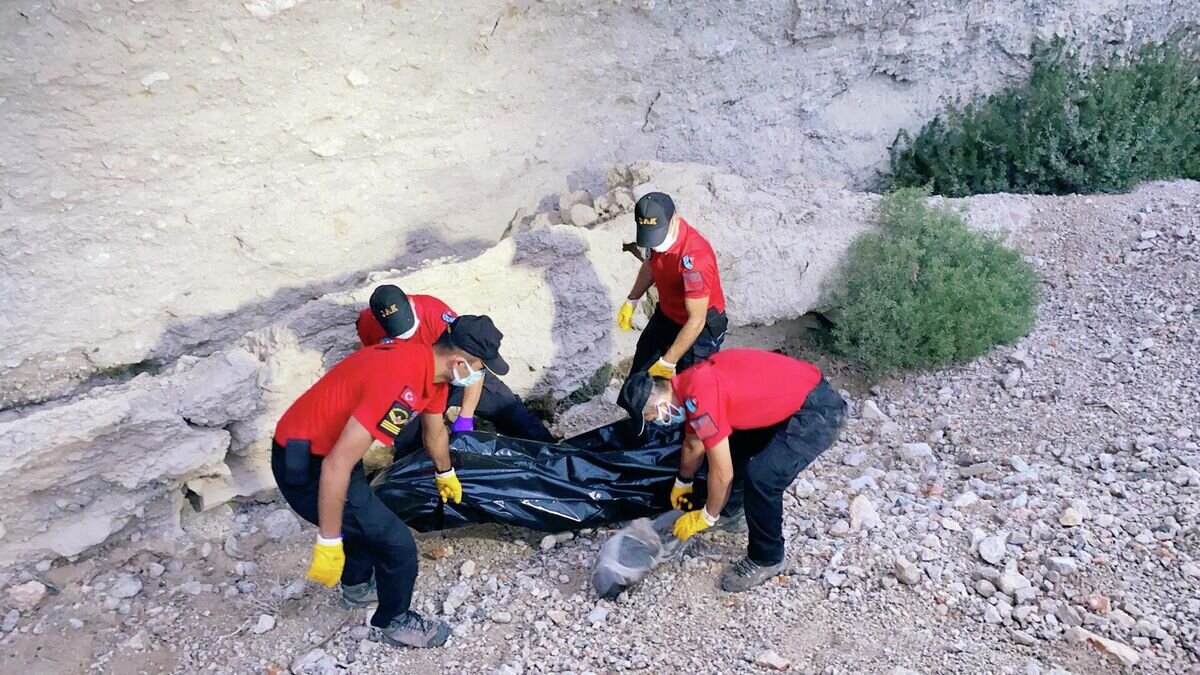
408 396
704 426
693 281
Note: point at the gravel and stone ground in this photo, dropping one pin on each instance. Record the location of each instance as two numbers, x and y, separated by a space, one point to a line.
1030 512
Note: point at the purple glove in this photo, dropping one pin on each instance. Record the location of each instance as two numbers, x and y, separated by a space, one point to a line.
463 424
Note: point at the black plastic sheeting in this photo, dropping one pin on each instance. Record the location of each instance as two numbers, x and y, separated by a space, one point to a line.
601 477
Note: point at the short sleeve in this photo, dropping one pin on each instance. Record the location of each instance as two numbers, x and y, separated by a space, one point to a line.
698 275
437 401
384 411
706 417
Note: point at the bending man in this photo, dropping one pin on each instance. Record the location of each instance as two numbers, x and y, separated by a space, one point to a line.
318 447
689 323
422 319
758 418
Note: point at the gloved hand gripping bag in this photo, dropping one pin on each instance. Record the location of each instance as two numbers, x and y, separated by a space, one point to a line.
601 477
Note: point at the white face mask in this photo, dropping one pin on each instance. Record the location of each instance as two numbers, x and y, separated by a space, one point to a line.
471 377
669 414
416 324
667 243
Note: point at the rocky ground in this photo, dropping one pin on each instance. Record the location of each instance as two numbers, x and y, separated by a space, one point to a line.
1030 512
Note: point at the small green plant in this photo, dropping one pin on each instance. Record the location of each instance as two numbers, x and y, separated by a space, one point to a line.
1067 130
926 291
595 385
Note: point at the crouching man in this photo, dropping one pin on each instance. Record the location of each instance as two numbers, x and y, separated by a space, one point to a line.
319 444
758 418
398 317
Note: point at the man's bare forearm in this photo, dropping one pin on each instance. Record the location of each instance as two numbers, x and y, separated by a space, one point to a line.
720 477
718 493
690 459
331 497
643 282
684 340
437 441
470 400
350 447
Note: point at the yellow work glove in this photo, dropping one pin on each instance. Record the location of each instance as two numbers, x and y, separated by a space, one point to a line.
625 315
693 522
663 369
448 486
327 561
681 495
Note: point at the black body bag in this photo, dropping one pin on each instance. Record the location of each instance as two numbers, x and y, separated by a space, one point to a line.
601 477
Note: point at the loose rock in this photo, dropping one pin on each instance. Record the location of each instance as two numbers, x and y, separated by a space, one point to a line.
1070 517
863 515
992 549
27 595
772 660
281 524
906 571
126 586
1119 652
265 623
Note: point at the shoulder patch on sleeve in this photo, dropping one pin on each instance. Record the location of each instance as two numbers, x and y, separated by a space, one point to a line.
704 426
398 414
693 281
449 316
688 263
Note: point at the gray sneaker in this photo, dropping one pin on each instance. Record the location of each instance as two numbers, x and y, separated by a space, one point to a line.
746 574
359 596
413 630
734 523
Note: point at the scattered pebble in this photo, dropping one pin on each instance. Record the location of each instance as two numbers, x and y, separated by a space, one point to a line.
265 623
772 660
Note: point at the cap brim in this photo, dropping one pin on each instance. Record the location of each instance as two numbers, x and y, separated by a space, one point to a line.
651 237
497 365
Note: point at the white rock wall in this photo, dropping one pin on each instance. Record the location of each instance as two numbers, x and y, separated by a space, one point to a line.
177 174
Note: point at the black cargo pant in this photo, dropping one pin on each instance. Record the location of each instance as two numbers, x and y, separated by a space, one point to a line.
498 405
375 539
767 460
660 334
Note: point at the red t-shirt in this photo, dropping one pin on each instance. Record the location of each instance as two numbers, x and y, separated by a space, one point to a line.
687 270
433 315
383 387
742 389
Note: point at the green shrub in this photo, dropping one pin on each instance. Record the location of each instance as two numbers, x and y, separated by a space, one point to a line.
926 291
1066 130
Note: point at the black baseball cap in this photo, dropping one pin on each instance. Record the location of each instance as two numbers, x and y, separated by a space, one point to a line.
634 394
653 213
479 337
392 310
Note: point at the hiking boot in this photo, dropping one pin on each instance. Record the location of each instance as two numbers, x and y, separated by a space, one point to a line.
746 574
734 523
359 596
413 630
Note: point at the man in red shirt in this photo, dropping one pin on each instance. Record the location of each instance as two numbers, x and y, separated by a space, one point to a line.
689 323
318 446
758 418
394 315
